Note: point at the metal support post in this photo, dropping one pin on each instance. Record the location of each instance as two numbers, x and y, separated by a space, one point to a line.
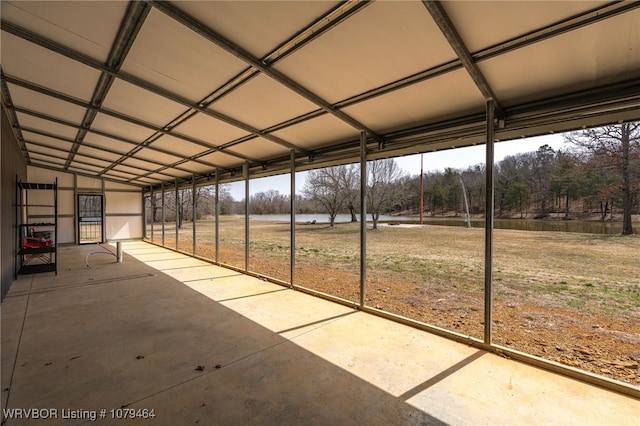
292 229
421 189
488 234
245 172
144 217
76 223
363 217
152 200
163 211
193 213
217 214
177 212
103 199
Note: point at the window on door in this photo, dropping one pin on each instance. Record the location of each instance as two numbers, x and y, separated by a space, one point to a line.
90 229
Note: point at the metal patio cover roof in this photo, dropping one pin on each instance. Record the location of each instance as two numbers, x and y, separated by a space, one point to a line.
151 92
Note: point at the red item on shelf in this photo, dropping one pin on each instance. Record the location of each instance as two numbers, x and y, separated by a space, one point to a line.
36 242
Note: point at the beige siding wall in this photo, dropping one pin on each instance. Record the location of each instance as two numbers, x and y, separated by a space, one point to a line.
122 204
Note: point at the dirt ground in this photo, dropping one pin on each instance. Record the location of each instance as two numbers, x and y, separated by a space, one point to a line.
586 335
605 346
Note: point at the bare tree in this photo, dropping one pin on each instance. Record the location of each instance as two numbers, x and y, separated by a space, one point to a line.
269 202
614 148
206 201
156 201
381 188
330 188
227 204
184 204
181 210
352 189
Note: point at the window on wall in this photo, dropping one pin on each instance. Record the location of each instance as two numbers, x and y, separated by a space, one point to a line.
566 281
154 217
168 218
148 217
270 226
328 231
186 219
205 218
425 241
232 224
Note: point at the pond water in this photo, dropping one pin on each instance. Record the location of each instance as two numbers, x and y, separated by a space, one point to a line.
581 226
324 218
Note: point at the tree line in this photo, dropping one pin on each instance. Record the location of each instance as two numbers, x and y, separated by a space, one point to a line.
598 174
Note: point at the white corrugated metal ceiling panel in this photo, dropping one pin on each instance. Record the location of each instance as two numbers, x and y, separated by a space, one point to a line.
147 92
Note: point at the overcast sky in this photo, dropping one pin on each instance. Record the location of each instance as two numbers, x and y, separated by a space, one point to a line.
459 158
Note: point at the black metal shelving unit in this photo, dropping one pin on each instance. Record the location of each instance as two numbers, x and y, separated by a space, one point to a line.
37 240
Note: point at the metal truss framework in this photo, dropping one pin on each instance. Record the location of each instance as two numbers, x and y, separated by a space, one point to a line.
454 87
386 143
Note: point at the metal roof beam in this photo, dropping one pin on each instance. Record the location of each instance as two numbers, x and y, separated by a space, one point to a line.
115 179
90 62
110 151
101 133
64 158
300 39
77 170
557 28
518 117
135 149
132 22
303 37
370 94
196 26
561 113
447 28
7 104
127 118
71 141
552 30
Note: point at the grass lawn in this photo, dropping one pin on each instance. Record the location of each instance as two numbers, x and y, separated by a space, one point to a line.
596 273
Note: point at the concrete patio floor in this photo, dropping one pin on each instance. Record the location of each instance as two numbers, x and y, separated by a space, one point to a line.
195 343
